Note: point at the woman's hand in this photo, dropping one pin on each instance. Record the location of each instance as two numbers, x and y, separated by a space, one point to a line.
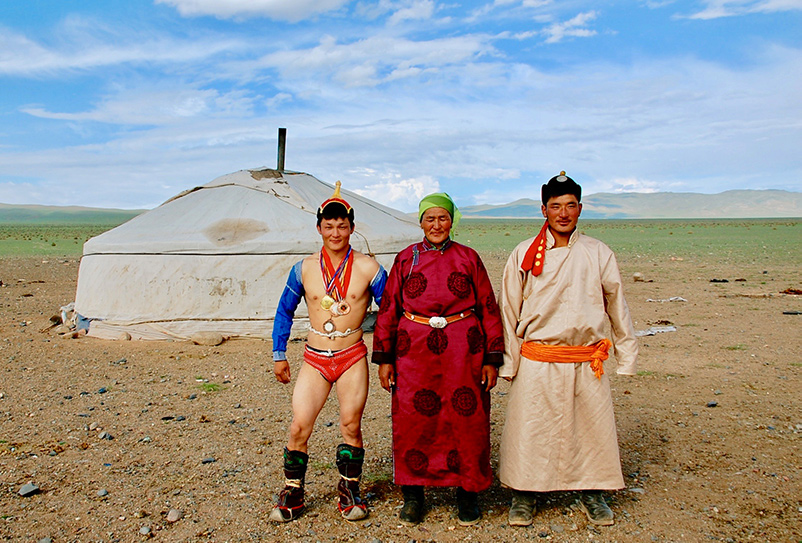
489 376
387 376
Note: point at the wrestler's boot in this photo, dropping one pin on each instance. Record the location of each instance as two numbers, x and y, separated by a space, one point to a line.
291 499
349 464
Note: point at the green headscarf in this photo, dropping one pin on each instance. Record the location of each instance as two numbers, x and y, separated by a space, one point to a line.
440 199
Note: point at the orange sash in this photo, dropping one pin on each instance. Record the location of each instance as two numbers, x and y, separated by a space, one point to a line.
596 353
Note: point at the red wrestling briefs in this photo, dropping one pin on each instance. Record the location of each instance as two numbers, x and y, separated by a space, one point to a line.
332 364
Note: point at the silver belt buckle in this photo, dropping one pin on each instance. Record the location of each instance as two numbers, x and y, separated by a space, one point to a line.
438 322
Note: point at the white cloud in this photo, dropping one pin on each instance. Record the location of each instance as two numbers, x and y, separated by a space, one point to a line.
575 27
525 3
285 10
163 106
513 9
93 48
715 9
657 4
628 184
416 10
394 190
374 60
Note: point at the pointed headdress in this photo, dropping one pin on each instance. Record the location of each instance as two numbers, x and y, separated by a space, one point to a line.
336 199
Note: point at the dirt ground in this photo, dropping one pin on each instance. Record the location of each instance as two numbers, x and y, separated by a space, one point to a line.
117 434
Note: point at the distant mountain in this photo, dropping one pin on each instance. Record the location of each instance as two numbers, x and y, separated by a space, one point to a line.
35 214
734 204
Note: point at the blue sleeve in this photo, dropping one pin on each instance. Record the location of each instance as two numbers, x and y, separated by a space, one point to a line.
287 304
377 285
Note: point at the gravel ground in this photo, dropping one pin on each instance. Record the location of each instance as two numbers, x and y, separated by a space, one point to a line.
179 442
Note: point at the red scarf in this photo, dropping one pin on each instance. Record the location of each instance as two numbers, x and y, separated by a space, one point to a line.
535 256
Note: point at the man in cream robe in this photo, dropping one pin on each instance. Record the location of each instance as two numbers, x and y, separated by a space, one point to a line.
560 289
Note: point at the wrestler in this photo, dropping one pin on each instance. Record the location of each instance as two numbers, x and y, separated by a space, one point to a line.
337 284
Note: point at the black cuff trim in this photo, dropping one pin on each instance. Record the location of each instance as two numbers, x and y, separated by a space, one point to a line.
380 357
494 359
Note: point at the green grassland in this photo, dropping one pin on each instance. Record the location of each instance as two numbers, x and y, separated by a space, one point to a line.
54 231
47 239
733 241
718 240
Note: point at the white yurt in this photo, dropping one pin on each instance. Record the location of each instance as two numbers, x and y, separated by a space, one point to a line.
215 258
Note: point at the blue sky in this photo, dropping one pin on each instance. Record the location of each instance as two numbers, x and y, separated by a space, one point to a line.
124 103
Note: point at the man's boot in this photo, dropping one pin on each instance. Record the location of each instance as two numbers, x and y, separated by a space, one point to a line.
593 504
291 499
349 464
522 508
412 511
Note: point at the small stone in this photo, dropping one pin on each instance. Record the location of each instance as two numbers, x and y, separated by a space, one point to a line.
28 489
712 404
717 392
145 530
637 490
102 390
174 515
45 540
208 460
207 338
106 435
637 277
557 529
102 493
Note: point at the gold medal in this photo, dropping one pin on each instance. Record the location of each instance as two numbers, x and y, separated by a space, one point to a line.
326 302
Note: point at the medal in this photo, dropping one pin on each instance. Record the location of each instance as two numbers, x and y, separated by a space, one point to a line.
329 327
336 282
341 308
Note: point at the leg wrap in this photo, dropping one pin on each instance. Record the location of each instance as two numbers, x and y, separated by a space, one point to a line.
349 464
295 465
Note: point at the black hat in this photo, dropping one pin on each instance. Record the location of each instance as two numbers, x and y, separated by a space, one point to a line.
559 185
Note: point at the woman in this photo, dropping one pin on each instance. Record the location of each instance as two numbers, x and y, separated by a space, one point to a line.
438 342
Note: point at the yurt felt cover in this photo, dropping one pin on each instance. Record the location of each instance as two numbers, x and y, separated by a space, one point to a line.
215 258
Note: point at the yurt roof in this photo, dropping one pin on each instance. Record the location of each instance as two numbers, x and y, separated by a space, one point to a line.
260 211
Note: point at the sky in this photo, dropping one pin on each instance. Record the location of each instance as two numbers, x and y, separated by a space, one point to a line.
125 103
